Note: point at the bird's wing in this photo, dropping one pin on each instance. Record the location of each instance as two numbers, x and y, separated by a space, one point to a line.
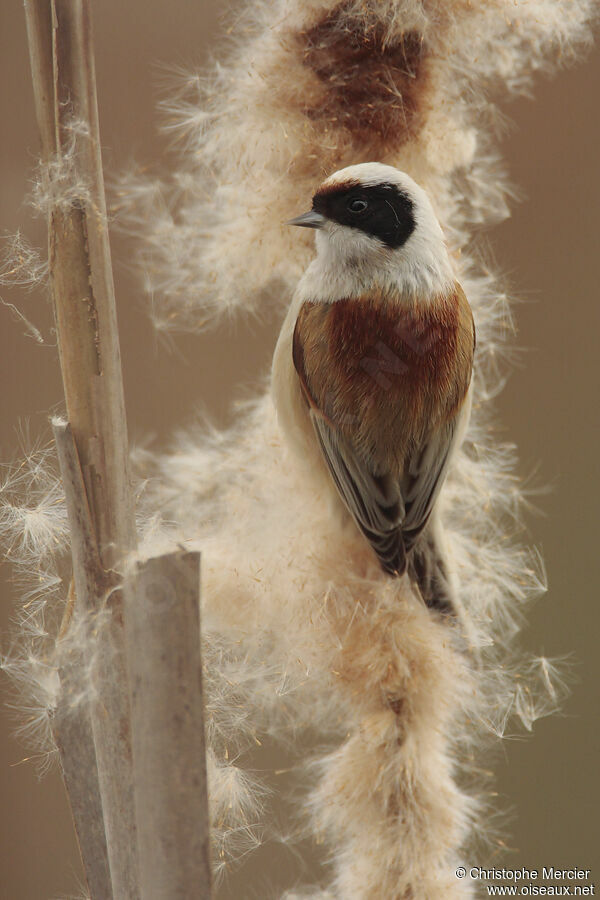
374 501
390 493
424 477
390 511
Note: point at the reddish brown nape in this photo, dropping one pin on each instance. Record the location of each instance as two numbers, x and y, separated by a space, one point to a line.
372 88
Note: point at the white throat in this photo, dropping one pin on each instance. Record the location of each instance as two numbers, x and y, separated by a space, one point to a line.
350 263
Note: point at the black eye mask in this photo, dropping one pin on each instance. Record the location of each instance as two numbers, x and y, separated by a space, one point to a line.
382 211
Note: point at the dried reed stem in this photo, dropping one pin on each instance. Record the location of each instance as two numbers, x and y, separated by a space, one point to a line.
167 724
73 733
80 266
72 724
107 773
63 74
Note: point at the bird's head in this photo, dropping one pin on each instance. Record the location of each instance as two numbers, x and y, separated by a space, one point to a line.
377 221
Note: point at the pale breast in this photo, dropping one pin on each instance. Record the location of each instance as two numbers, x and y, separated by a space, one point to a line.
385 373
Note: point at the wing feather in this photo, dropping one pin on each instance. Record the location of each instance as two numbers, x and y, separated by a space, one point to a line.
374 501
424 479
391 512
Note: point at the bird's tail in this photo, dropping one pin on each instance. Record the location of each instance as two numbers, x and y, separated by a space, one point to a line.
429 570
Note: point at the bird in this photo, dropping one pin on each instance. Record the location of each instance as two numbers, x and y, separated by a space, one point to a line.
372 370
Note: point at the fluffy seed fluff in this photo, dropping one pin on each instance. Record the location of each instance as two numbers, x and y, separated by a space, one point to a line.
307 644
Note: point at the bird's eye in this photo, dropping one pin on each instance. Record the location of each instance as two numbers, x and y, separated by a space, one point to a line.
357 205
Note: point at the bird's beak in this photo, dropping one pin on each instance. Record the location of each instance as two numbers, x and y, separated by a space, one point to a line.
309 219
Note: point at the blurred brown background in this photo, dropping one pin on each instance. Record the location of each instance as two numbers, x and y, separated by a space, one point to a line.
549 251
